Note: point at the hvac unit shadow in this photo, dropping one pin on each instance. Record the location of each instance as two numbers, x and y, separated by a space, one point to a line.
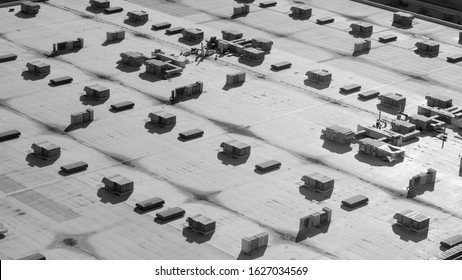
65 174
349 209
123 67
94 10
296 17
260 172
33 160
318 86
416 191
375 161
192 236
26 75
150 77
134 24
426 55
86 100
408 235
359 53
400 26
152 128
73 127
312 232
229 86
59 53
186 98
107 43
106 196
387 109
359 35
24 15
228 160
250 62
253 255
189 43
335 147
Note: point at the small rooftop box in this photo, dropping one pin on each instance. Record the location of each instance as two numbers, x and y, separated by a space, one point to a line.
170 213
325 20
388 38
267 4
452 241
174 30
355 201
9 134
61 80
350 88
281 65
369 94
113 10
74 167
268 165
124 105
151 203
161 25
193 133
8 57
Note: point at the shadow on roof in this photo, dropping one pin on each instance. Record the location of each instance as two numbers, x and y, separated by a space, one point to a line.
94 10
311 232
134 24
228 160
313 195
296 17
253 255
86 100
106 196
335 147
387 109
375 161
249 62
26 75
189 43
127 68
416 191
233 85
107 43
426 55
318 86
359 53
33 160
149 77
192 236
73 127
23 15
400 26
152 128
408 235
359 35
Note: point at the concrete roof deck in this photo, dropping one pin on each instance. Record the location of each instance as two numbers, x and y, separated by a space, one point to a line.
274 112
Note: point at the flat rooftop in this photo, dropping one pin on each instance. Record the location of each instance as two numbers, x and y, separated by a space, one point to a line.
275 112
